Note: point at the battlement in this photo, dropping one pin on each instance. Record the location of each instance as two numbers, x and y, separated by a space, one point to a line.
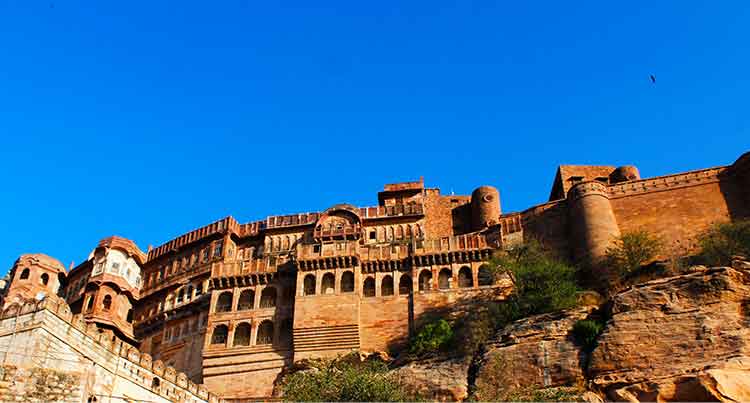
92 345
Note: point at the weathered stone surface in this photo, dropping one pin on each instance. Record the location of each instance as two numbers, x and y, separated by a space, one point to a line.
536 351
444 380
678 338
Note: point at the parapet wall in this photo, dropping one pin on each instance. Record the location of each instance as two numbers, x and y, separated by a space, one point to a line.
119 369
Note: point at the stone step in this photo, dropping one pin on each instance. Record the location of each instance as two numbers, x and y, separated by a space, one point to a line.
327 342
307 336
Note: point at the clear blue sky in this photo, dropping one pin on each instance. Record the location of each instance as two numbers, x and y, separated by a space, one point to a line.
148 119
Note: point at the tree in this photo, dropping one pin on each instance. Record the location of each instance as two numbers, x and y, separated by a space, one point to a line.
542 282
630 251
722 241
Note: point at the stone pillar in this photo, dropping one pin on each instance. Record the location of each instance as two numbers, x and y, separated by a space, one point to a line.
593 225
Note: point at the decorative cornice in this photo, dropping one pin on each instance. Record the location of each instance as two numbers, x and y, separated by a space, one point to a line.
587 188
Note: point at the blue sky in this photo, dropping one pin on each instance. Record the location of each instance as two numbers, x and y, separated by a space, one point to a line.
148 119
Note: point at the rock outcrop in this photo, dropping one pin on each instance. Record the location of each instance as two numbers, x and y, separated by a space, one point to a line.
538 351
682 338
443 380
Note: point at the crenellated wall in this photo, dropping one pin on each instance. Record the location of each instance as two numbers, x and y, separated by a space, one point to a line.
46 335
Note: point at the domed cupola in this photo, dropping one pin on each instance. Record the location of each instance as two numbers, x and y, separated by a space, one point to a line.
34 276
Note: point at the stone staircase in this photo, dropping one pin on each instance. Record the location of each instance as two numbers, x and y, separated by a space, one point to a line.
345 337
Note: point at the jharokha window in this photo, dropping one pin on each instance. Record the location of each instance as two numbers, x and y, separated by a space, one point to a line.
24 274
107 303
217 249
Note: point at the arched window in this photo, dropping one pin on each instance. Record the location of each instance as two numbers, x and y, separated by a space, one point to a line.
189 293
404 284
107 303
45 279
309 285
399 232
220 335
90 304
268 297
369 289
180 295
444 279
242 335
485 275
328 284
265 332
247 300
347 282
386 286
224 302
425 280
155 383
464 277
24 274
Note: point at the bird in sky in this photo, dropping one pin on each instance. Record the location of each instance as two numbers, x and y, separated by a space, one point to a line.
653 79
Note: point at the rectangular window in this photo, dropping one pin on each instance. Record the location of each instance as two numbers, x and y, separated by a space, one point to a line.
205 255
217 249
373 235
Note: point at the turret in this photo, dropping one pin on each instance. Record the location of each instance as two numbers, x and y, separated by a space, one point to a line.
34 276
593 223
624 174
485 207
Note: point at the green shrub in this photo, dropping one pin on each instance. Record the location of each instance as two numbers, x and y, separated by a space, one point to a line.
345 381
586 331
722 241
431 338
542 283
630 251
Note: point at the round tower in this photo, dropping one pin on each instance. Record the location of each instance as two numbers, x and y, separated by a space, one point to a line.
34 276
485 207
593 224
624 174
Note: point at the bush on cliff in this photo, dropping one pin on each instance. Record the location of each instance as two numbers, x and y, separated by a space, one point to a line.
345 380
722 241
542 282
431 338
630 251
586 331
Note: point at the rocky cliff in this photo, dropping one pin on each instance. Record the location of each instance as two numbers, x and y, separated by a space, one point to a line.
682 338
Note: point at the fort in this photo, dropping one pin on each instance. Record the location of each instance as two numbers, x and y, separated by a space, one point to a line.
219 312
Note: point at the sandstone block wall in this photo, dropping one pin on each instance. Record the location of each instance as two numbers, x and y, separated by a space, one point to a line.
43 340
